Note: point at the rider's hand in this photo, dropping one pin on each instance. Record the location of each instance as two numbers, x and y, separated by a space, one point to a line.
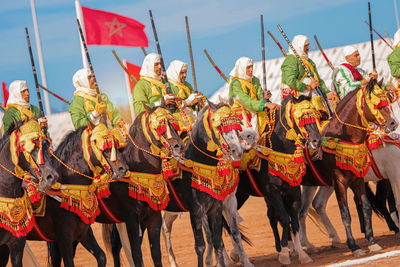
314 84
267 94
43 122
101 108
331 96
271 106
364 81
120 123
373 75
390 88
169 99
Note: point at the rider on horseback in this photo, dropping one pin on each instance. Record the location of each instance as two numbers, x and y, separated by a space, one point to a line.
394 57
85 105
18 106
150 89
296 78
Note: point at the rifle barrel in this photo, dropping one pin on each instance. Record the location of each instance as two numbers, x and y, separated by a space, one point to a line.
371 37
191 54
215 66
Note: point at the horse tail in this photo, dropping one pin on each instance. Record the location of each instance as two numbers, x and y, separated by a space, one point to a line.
106 230
373 201
316 219
225 226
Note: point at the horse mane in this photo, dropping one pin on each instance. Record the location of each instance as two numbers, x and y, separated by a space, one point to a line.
345 100
67 145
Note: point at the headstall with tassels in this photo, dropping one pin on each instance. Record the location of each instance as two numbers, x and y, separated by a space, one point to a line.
83 199
152 188
16 215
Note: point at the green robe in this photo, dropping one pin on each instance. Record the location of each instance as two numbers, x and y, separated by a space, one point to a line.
175 89
293 71
235 89
12 114
142 95
79 114
394 62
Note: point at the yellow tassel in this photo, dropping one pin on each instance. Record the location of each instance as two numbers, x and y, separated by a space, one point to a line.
113 153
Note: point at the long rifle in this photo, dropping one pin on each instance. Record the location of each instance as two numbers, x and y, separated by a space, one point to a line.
371 37
35 77
263 54
144 51
159 52
131 77
276 41
191 54
319 91
215 66
55 95
383 39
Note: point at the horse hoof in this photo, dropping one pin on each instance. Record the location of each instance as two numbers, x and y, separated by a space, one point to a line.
336 244
304 258
234 256
374 247
283 256
359 253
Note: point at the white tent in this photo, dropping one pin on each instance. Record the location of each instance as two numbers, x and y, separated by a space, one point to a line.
273 67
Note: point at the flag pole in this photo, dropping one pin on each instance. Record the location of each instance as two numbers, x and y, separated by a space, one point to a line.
128 90
79 16
40 57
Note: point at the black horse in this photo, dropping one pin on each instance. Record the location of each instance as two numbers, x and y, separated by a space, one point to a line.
11 186
282 199
121 207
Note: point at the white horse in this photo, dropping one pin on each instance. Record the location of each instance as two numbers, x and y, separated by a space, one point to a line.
249 136
387 166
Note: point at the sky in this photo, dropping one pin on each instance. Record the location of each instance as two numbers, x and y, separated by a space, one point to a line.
228 29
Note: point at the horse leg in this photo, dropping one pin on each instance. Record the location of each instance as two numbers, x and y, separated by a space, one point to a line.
16 252
166 230
135 238
319 204
358 188
153 225
54 254
293 209
341 196
210 247
91 245
116 245
275 202
392 206
307 195
382 190
360 214
215 224
196 216
230 214
66 248
4 255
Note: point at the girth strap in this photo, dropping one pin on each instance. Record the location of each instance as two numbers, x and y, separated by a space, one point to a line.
39 232
104 208
253 183
314 170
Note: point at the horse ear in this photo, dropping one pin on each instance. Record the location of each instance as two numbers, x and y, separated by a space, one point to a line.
370 85
211 105
380 83
231 100
148 109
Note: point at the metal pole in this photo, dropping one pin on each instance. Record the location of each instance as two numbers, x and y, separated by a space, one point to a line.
371 37
396 13
79 16
128 90
40 57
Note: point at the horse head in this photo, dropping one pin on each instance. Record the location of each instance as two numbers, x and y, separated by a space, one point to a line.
106 146
222 129
29 149
163 128
301 117
373 106
249 133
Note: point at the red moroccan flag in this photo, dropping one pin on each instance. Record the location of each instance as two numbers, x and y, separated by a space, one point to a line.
5 93
105 28
133 70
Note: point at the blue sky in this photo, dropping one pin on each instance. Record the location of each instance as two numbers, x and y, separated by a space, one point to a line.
228 29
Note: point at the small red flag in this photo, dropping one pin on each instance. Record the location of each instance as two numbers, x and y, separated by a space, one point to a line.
5 93
133 70
106 28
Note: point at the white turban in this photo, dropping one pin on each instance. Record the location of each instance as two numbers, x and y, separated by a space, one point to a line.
148 66
81 82
347 51
175 67
239 71
15 97
396 38
298 43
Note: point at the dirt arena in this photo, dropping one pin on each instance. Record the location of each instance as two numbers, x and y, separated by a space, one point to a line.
262 253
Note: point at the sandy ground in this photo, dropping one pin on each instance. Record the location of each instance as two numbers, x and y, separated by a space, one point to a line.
262 253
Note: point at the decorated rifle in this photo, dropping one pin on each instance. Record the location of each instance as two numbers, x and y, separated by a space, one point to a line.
318 89
191 54
144 51
371 37
54 94
276 41
263 59
131 77
35 77
215 66
383 39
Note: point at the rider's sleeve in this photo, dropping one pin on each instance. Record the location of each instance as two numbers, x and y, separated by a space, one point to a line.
394 63
290 73
235 89
322 85
141 96
77 110
11 115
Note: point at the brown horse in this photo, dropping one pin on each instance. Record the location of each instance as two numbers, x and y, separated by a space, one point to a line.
350 126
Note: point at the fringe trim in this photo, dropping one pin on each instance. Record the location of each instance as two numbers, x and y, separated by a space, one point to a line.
142 197
359 173
293 182
221 194
20 229
88 219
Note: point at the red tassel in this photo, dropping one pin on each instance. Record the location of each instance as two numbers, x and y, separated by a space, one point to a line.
176 126
240 116
236 163
161 129
381 104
